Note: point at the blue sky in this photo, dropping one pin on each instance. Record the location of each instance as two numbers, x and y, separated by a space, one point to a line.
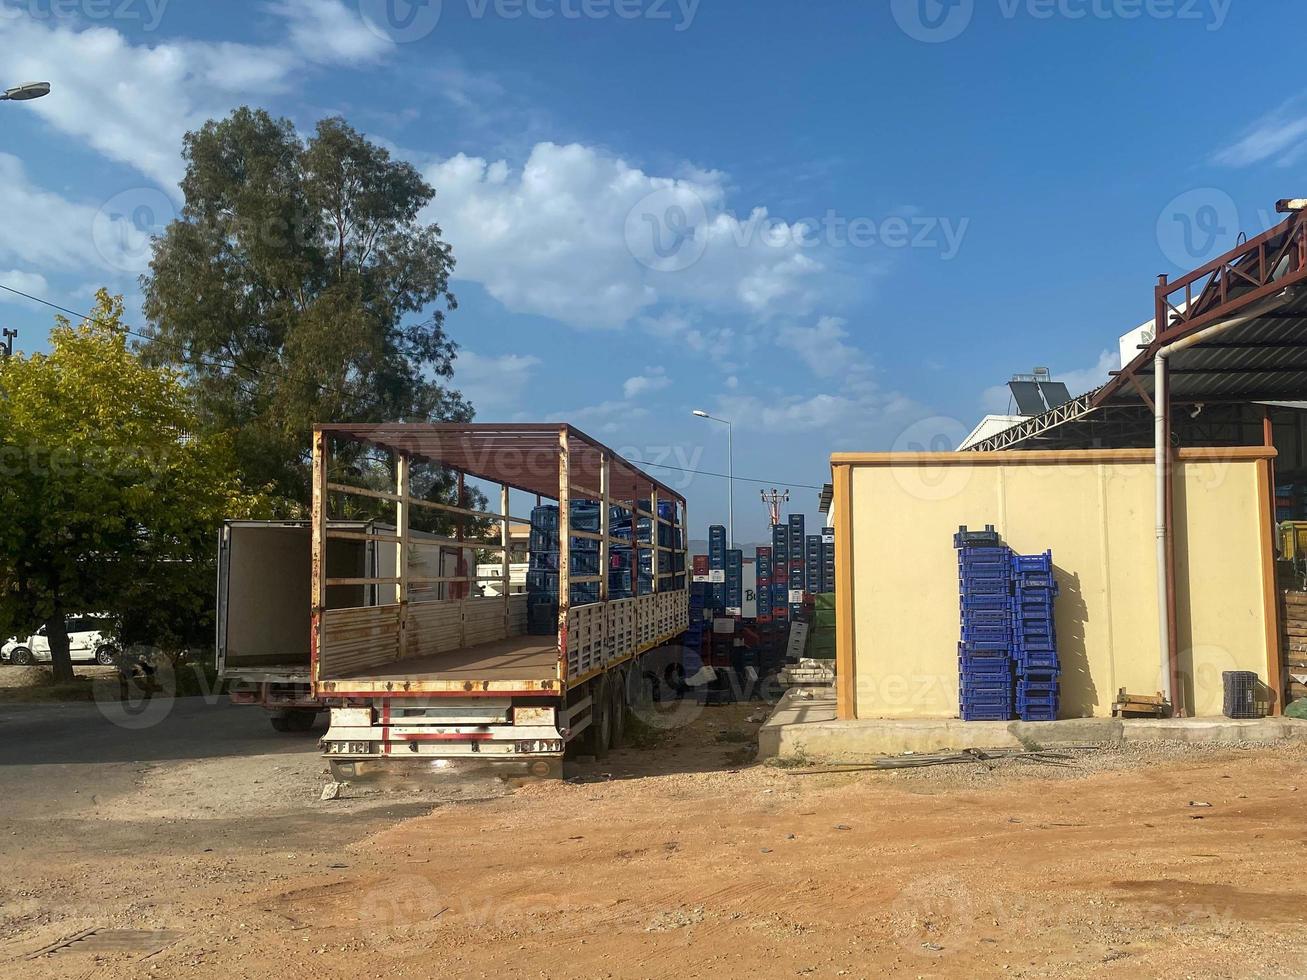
840 224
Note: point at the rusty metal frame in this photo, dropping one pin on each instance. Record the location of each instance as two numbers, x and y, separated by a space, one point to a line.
568 440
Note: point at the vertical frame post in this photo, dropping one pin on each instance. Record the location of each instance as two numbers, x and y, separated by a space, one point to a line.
321 462
846 677
461 590
505 540
403 512
564 544
604 486
655 525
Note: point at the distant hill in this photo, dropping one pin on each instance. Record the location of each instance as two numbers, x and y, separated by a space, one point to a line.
699 546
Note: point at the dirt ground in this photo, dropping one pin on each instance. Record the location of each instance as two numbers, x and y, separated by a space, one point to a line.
685 859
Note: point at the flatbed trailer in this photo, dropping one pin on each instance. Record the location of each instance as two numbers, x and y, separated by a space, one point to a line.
425 682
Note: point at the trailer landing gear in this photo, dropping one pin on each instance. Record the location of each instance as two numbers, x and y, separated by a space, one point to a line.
294 720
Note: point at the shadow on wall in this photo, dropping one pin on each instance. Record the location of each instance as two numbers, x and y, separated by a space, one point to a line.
1078 694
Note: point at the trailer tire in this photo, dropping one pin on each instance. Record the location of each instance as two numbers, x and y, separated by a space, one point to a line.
617 738
599 733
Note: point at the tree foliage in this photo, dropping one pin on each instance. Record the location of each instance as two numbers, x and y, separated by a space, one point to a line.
111 495
300 286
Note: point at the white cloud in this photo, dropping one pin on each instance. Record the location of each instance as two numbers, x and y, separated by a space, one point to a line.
132 103
558 238
40 229
655 380
822 347
1280 133
326 30
27 282
494 385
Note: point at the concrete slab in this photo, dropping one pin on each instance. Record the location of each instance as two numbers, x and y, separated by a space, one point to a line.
803 725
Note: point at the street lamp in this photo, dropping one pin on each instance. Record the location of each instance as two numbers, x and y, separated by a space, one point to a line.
26 92
730 473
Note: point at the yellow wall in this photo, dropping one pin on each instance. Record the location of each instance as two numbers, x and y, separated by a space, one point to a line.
1096 513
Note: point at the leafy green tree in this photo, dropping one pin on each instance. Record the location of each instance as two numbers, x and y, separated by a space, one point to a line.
111 496
299 286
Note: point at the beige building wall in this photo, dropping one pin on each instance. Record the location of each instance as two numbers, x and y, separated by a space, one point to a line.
895 518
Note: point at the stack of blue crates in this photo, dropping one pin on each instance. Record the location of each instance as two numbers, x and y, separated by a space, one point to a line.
984 655
698 603
717 564
780 563
1034 650
734 579
542 572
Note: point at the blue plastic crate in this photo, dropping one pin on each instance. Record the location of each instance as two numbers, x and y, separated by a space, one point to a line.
991 601
1023 644
994 616
986 538
984 553
1037 715
1037 701
1033 563
1034 580
980 667
983 586
1030 661
986 714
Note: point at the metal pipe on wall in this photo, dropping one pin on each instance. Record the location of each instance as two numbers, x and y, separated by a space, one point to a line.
1162 464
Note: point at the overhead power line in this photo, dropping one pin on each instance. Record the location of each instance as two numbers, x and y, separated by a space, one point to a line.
210 362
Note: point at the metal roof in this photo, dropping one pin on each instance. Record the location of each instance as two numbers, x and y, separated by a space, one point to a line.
1257 291
525 456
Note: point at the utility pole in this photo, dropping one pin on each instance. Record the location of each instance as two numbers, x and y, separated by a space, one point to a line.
773 498
8 346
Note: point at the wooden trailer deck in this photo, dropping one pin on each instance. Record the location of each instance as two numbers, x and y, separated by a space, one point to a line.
514 658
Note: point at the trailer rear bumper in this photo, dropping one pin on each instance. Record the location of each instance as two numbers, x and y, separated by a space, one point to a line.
422 734
275 696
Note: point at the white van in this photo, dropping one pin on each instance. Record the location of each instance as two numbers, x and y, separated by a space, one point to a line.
90 640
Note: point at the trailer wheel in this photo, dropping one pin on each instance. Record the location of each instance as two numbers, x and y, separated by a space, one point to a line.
617 738
599 733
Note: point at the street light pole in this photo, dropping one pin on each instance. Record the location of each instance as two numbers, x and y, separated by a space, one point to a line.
730 472
7 348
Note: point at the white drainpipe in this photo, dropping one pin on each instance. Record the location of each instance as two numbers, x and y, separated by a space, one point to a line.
1161 445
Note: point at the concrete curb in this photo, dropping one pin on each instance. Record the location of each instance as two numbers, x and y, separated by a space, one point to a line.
803 725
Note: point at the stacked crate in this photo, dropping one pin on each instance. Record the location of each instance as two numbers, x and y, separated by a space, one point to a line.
734 581
780 551
763 566
619 556
812 563
984 655
698 629
717 567
828 559
798 567
542 570
1034 651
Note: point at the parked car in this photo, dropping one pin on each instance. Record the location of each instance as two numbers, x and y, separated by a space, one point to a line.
90 640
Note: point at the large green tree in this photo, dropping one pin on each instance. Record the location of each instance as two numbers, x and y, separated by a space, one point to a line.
298 286
110 494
